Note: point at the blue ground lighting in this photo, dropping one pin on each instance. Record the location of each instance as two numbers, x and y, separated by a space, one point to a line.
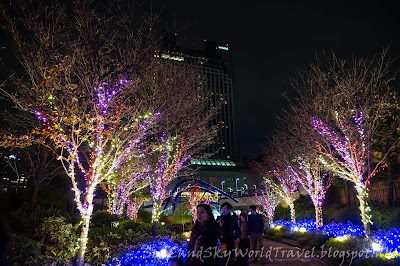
154 253
284 223
389 240
307 225
159 251
338 229
333 229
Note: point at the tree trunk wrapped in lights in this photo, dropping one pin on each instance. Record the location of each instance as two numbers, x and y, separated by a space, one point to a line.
130 180
278 180
345 102
285 187
106 143
349 160
292 146
133 205
183 130
308 174
268 200
164 163
82 81
193 201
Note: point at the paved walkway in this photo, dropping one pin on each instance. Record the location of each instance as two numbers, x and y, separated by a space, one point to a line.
282 254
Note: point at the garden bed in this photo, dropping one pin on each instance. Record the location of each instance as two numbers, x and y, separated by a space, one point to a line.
382 248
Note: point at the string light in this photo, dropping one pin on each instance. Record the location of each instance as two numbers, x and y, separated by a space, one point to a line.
154 253
110 139
332 229
165 160
350 157
268 200
389 240
193 201
132 207
285 187
308 174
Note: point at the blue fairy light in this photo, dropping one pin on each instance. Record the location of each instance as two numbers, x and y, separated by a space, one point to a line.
338 229
383 242
154 253
389 240
333 229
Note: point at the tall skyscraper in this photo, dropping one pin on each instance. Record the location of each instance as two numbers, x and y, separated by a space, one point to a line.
216 72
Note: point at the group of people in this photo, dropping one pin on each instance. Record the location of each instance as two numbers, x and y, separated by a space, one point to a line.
225 241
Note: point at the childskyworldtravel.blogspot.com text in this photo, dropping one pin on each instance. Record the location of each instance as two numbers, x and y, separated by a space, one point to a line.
275 253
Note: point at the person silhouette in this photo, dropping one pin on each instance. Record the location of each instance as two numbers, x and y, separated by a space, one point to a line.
230 231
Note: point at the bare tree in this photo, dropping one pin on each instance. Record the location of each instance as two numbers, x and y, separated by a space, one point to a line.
127 180
39 167
268 200
183 129
309 174
81 80
279 180
37 163
345 101
295 148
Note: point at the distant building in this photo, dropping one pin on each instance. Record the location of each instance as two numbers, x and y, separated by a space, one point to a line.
219 77
223 169
12 176
216 73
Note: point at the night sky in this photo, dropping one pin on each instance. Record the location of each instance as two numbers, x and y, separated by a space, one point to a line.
270 40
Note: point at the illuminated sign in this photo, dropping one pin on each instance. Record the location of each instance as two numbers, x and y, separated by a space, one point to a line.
214 198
